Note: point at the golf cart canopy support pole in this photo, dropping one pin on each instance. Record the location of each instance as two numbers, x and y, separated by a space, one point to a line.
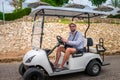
42 26
88 25
33 29
78 16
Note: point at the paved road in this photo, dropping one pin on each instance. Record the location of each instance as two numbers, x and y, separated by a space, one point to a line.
9 71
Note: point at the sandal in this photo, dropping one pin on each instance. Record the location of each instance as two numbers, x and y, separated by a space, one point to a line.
60 69
55 66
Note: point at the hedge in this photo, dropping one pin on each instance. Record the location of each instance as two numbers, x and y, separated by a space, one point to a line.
16 14
114 16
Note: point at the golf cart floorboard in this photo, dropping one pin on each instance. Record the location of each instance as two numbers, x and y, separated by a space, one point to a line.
65 68
67 71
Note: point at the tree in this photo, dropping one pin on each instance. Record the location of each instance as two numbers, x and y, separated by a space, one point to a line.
17 4
115 3
55 2
20 3
97 2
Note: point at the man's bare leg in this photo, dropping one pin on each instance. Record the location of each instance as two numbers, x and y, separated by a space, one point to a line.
58 54
67 54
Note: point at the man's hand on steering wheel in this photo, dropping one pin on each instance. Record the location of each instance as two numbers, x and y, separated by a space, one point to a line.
64 40
60 40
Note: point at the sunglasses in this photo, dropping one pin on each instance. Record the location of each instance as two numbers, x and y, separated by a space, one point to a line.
72 26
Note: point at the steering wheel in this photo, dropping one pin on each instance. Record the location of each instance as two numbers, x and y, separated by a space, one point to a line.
59 38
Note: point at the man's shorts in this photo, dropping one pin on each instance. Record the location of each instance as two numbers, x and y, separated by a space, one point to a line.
78 51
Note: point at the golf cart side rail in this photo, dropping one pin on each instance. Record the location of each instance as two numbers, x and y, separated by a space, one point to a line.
63 12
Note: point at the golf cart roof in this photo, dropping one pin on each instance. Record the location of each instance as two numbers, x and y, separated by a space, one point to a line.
66 12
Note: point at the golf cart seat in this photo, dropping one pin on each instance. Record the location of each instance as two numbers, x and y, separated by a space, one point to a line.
99 47
88 47
90 43
79 53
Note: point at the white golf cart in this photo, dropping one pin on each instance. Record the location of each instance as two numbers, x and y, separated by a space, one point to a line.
36 64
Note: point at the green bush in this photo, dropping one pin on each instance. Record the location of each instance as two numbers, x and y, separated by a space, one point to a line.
114 16
65 21
16 14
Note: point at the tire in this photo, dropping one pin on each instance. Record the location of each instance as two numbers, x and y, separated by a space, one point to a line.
93 68
33 74
22 69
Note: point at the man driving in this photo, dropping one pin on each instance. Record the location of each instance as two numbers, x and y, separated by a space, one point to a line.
74 43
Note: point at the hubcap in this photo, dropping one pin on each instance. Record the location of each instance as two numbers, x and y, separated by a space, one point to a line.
96 68
34 77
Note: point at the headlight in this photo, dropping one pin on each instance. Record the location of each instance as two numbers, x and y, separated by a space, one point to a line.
30 59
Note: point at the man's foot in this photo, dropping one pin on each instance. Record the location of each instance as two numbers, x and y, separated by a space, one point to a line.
55 65
60 69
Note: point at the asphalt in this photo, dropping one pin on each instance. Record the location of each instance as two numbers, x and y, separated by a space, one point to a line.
9 71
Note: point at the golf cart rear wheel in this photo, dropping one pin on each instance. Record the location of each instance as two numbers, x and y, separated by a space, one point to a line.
33 74
21 69
93 68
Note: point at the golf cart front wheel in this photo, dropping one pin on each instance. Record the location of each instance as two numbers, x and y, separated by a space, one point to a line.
33 74
22 69
93 68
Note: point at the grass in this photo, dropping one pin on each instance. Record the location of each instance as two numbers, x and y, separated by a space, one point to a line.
67 21
115 23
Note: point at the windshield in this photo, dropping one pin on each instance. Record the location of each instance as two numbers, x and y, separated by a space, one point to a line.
36 33
50 31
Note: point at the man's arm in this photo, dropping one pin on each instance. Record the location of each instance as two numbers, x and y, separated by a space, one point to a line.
77 42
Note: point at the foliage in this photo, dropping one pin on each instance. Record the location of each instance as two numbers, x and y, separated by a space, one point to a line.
97 2
115 3
65 21
55 2
14 3
17 4
114 16
20 3
15 15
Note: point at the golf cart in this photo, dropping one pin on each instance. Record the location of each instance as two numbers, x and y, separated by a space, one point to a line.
36 64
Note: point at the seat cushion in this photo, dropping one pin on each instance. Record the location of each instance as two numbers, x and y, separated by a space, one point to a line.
77 55
92 50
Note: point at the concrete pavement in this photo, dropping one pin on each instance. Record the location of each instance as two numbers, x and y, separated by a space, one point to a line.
9 71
